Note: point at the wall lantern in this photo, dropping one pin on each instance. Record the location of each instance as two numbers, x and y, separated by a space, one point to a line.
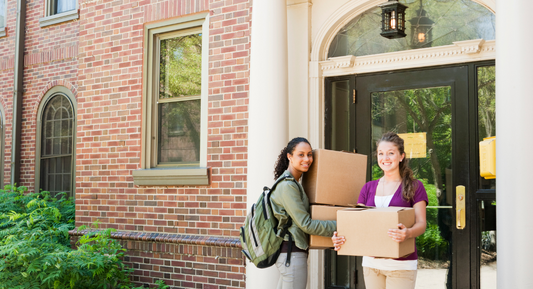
421 29
392 19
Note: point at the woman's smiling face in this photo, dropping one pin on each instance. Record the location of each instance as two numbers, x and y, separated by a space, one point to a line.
389 156
301 158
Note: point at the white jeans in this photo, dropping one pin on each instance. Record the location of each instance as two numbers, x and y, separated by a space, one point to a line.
294 276
389 279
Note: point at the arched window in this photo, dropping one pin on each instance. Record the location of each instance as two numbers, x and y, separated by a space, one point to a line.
56 164
429 23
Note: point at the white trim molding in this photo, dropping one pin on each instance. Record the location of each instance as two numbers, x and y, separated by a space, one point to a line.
459 52
59 18
470 46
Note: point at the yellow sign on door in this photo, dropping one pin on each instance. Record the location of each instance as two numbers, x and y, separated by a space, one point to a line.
415 144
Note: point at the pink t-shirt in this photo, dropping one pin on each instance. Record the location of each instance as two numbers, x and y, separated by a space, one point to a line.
368 192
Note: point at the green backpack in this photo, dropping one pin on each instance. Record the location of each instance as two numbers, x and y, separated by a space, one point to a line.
260 240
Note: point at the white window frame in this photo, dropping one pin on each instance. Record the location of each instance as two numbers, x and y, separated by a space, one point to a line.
152 174
52 19
3 28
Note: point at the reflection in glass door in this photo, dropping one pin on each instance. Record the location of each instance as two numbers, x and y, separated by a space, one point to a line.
486 195
422 117
339 117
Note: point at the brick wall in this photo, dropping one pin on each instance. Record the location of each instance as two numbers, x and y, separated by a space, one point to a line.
198 262
109 121
49 59
99 58
109 139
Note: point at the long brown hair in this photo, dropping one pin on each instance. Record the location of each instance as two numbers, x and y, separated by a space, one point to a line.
409 183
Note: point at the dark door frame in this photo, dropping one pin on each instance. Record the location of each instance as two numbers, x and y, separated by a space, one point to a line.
465 151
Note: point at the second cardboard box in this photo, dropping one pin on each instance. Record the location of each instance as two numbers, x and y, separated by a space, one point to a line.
335 178
323 213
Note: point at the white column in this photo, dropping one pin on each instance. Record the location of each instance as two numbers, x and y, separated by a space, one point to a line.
268 113
299 31
514 142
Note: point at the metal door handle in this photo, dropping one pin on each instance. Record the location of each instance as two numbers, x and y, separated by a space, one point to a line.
460 207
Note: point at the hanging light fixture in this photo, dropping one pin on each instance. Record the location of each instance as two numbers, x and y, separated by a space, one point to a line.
392 19
421 32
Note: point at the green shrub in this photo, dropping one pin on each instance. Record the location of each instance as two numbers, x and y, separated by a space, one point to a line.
431 244
35 248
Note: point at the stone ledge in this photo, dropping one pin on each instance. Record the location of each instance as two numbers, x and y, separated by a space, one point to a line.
170 238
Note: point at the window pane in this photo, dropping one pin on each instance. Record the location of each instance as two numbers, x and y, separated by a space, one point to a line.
47 143
180 66
2 13
486 91
64 5
179 132
340 115
429 23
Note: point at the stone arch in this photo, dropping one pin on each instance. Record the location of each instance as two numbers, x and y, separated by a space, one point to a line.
345 14
50 85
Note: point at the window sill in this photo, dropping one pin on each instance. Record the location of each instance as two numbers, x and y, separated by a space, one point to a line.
2 32
171 177
59 18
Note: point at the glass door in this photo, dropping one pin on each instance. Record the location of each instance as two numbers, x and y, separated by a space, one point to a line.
436 112
430 109
484 247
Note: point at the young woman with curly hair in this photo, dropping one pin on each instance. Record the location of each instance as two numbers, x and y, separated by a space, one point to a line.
289 202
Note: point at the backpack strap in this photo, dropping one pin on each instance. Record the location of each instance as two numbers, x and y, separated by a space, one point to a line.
285 229
289 250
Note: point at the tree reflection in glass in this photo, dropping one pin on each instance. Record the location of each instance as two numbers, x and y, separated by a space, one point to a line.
454 20
180 81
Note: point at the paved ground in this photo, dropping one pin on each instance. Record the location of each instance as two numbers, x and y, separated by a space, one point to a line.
436 278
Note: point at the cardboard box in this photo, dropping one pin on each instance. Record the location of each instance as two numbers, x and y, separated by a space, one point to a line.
335 178
323 213
366 231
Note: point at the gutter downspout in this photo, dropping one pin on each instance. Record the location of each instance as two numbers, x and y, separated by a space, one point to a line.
18 92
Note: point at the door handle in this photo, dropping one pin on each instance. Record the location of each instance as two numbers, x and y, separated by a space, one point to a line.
460 207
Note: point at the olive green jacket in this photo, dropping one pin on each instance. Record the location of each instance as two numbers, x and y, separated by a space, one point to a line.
289 199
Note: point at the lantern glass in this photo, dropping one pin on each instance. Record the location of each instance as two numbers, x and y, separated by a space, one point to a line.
393 19
421 28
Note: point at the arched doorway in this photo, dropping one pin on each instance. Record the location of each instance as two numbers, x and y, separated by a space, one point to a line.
441 89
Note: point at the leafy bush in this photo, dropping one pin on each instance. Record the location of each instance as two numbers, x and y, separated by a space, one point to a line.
431 244
35 248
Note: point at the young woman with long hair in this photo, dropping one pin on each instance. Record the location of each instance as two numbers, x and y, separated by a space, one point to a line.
289 202
397 188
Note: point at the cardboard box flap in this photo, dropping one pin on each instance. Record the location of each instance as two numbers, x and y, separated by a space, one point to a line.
391 209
